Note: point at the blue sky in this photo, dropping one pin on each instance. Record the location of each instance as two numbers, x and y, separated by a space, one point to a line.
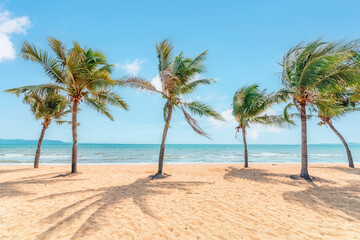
245 40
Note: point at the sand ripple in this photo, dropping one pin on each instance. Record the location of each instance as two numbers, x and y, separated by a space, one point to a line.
195 202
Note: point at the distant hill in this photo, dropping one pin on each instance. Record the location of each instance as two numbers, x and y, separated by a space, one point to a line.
29 142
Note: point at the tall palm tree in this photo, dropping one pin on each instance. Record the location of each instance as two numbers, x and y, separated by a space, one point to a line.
310 70
81 73
249 107
178 78
48 108
345 103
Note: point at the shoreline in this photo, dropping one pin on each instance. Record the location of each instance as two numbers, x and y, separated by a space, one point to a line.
177 163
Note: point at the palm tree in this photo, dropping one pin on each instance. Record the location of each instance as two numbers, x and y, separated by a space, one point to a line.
345 103
48 108
81 73
178 77
310 70
249 107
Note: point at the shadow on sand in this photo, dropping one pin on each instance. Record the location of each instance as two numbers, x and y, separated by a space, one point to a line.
321 195
3 171
263 176
10 189
355 171
325 198
104 200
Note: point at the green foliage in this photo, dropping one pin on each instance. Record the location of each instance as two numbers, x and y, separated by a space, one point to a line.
321 76
311 71
48 107
178 77
164 53
343 101
250 106
81 73
201 109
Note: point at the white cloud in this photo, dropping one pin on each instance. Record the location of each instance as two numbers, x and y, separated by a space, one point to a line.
131 68
229 120
252 132
196 77
156 81
9 26
197 98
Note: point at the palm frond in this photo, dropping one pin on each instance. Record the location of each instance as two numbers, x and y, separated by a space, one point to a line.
194 124
198 60
272 120
47 106
164 53
99 106
110 98
50 65
58 48
140 83
166 111
43 89
202 110
250 106
190 87
82 73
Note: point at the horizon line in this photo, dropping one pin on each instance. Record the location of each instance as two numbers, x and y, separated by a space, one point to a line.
60 142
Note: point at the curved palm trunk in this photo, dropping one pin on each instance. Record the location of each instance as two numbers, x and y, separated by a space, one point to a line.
246 164
304 153
162 147
348 152
74 136
37 154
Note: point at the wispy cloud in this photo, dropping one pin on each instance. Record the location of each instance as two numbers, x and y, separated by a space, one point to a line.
196 77
8 26
196 98
156 81
131 68
228 117
255 130
252 132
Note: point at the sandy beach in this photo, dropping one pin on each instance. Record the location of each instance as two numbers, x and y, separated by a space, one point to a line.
201 201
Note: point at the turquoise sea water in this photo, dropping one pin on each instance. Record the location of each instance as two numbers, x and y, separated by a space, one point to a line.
174 153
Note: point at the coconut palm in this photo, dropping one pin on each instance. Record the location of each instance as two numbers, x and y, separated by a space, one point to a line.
178 77
81 73
345 103
249 107
311 69
48 108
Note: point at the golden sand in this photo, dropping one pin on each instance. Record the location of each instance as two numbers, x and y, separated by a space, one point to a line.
200 201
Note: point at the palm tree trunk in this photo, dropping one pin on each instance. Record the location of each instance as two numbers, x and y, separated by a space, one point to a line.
74 136
246 164
304 153
37 154
162 147
348 152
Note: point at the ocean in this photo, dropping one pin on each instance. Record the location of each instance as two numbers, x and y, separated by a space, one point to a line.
174 153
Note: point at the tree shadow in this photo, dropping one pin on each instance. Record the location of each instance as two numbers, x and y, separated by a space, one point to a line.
355 171
3 171
263 176
324 198
105 199
10 189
